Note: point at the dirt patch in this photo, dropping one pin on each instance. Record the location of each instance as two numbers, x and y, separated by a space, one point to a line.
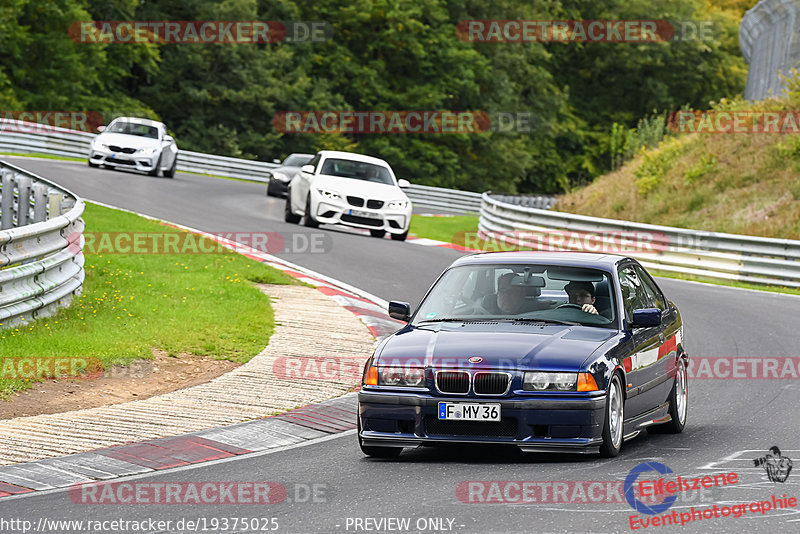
139 380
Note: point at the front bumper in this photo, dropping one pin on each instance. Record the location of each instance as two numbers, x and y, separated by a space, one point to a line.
120 159
536 423
334 211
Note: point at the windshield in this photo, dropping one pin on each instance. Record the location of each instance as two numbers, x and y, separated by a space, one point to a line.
525 291
357 170
296 160
132 128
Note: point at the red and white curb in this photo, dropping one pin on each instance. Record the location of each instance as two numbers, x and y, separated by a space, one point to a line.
290 428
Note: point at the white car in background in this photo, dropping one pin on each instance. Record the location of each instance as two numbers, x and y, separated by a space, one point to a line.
138 144
352 190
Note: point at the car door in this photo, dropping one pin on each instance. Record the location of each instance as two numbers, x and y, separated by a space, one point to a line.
668 333
643 370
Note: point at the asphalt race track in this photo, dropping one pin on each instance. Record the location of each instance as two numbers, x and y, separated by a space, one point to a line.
730 422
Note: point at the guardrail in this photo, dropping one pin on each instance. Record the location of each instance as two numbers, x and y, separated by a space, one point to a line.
29 138
714 255
441 199
41 246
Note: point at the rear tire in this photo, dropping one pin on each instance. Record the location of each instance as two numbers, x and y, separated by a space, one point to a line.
615 418
678 403
288 215
377 452
377 233
400 237
308 219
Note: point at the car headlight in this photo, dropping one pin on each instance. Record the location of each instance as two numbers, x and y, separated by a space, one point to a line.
330 195
540 381
280 176
408 377
147 151
397 204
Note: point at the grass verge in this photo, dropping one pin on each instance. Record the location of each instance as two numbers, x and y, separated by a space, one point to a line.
203 304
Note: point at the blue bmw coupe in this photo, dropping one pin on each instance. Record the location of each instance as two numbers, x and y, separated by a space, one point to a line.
571 352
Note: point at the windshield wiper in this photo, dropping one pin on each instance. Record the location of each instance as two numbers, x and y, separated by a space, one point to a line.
445 319
548 321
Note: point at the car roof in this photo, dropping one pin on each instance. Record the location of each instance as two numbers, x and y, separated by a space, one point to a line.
138 120
300 154
352 156
575 259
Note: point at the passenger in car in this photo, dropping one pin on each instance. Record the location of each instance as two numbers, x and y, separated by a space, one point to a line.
582 294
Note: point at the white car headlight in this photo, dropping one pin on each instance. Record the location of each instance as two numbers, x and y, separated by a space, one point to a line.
397 204
280 177
330 195
147 151
539 381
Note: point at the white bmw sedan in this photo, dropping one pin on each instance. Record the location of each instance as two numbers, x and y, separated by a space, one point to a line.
352 190
138 144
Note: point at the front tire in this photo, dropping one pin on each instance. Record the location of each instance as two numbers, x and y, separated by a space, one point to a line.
400 237
288 215
615 417
93 165
171 172
308 219
377 233
157 169
678 402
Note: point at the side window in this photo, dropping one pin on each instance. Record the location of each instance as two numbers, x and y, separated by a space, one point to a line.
634 295
652 290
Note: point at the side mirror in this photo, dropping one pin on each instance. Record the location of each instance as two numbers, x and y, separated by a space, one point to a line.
402 182
276 161
399 310
646 317
169 139
101 128
307 169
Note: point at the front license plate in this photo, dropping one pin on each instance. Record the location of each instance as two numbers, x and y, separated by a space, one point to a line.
367 214
467 411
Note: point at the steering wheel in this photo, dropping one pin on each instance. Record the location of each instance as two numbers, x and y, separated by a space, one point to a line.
569 305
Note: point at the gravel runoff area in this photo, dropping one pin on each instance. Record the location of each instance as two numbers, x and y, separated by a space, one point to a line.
308 326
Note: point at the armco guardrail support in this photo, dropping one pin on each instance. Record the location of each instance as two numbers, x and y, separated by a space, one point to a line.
23 200
7 201
41 264
769 37
756 260
39 202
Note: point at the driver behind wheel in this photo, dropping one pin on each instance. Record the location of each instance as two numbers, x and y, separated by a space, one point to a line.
581 294
510 297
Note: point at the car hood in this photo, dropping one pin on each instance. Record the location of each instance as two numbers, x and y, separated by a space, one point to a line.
129 141
362 188
523 346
